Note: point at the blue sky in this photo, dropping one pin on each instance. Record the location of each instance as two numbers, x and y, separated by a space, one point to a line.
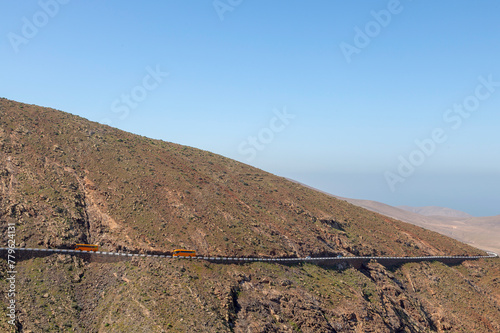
334 94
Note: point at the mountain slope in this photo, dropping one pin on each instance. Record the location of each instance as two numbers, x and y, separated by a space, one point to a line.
436 211
65 180
480 232
102 185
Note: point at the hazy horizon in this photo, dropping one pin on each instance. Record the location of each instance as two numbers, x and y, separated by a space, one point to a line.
392 101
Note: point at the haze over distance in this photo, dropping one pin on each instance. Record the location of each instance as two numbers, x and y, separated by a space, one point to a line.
393 101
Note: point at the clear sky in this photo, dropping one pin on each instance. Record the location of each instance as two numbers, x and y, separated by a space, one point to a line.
394 101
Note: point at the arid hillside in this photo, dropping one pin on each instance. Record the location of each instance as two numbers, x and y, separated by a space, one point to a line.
436 211
480 232
66 180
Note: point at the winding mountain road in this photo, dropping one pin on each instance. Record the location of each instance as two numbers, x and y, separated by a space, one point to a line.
355 261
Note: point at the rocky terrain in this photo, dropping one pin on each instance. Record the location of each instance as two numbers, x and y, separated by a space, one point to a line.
66 180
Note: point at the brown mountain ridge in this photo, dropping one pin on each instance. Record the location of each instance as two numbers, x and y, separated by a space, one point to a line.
65 180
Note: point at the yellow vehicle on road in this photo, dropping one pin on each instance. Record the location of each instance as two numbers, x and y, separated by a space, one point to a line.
184 253
87 247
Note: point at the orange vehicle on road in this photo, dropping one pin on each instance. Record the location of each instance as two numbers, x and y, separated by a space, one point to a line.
184 253
86 247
